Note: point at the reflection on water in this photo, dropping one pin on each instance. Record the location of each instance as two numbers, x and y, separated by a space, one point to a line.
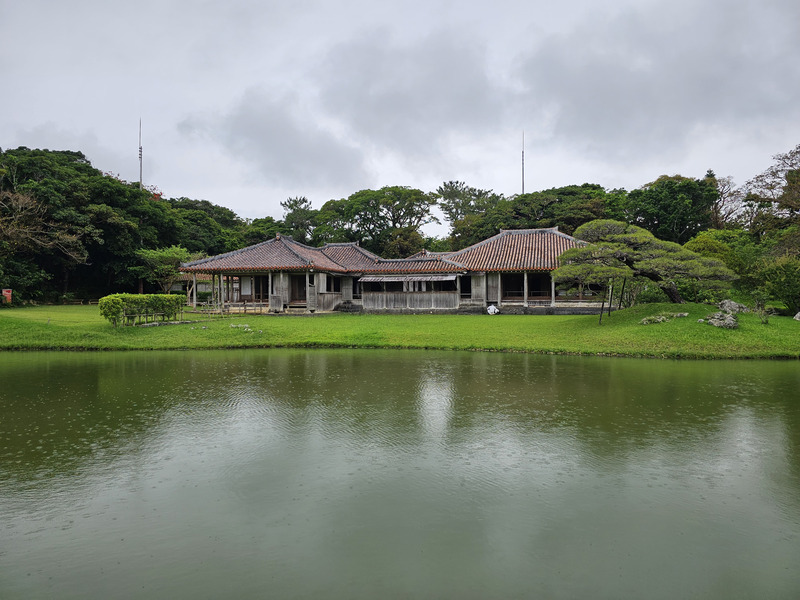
354 474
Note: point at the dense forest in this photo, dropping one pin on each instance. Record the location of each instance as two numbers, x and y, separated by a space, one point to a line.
69 230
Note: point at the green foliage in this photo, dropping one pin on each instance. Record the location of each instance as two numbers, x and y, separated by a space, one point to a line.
618 251
260 230
77 230
298 218
403 243
122 309
782 281
161 265
486 214
672 208
457 200
385 221
112 308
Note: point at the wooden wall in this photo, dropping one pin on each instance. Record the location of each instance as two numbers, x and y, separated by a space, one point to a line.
410 300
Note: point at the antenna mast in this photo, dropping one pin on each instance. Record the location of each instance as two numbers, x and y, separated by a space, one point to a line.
523 161
140 153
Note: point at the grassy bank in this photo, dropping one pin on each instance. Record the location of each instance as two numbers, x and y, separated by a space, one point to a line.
82 328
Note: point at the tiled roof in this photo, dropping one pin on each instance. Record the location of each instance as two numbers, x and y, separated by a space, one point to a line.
510 250
517 250
351 256
279 254
428 264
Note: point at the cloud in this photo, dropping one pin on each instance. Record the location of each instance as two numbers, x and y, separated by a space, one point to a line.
407 96
642 81
246 103
281 141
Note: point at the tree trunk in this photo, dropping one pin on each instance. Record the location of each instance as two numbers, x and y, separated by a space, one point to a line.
671 290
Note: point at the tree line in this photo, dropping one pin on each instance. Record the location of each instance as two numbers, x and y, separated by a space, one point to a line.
68 229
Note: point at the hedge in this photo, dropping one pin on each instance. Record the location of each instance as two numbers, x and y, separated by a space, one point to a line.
124 309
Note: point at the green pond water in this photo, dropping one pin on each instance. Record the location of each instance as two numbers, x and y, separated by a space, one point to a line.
396 474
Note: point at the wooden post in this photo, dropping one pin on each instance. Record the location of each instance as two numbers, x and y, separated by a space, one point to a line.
525 289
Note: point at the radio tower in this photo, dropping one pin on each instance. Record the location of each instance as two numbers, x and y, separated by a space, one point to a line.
523 161
140 153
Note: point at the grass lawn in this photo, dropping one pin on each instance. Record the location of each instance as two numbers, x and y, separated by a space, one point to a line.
621 334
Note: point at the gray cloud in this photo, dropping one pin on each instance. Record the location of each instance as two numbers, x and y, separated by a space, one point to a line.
644 80
281 144
408 97
244 102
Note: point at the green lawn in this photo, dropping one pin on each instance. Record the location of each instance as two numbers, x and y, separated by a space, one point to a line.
82 328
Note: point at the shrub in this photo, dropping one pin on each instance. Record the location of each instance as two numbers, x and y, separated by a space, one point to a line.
125 308
112 308
782 281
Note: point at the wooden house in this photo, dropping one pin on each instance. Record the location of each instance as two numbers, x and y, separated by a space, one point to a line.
511 269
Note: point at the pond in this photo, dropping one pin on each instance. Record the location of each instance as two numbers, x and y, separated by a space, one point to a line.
396 474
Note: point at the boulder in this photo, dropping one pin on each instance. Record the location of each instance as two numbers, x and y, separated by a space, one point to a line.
797 317
725 320
732 307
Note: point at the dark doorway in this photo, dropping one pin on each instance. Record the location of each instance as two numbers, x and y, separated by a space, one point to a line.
297 289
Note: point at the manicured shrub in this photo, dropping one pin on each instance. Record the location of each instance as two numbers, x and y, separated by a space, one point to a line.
125 309
112 308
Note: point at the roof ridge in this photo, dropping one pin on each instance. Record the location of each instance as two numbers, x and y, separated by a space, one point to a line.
296 253
200 261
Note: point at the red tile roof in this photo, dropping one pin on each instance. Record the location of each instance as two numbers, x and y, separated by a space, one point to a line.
517 250
351 256
427 264
279 254
510 250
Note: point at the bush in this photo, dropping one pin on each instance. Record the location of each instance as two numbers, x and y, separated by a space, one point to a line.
112 308
782 281
122 309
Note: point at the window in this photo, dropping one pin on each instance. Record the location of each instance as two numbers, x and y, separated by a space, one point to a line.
394 286
466 286
333 284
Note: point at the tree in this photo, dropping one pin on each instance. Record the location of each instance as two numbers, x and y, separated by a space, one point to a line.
673 208
259 230
376 218
402 243
779 185
566 207
162 266
456 200
782 281
618 251
25 227
728 210
298 217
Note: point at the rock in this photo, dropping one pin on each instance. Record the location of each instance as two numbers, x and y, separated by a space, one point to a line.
654 319
732 307
662 318
797 317
725 320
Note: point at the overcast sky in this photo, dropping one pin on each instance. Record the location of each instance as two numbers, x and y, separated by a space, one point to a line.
246 103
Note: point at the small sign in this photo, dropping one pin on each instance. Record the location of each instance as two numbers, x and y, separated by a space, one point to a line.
7 295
